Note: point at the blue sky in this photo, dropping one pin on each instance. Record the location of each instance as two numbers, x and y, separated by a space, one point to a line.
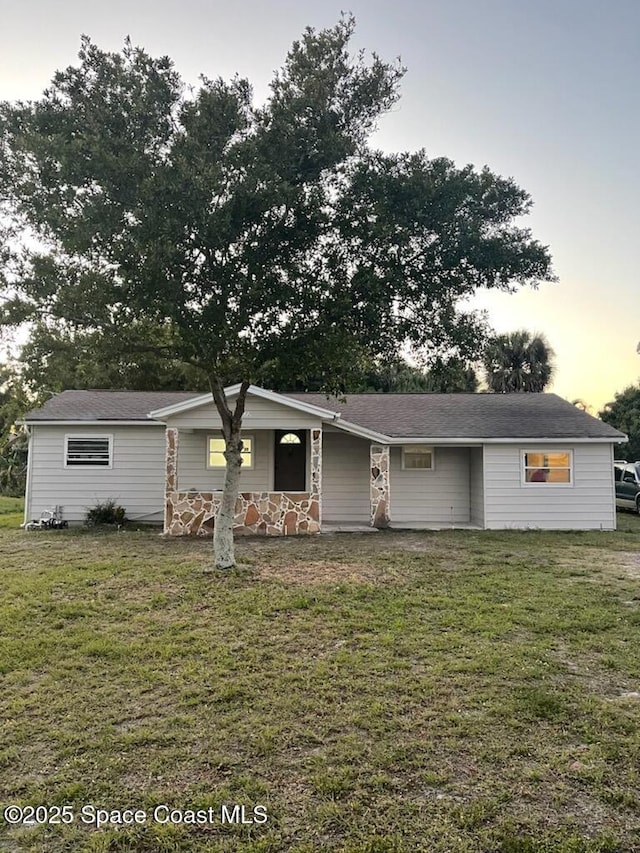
546 92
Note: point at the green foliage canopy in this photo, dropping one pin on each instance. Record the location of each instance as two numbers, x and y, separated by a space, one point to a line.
623 413
14 402
518 361
57 358
251 235
444 376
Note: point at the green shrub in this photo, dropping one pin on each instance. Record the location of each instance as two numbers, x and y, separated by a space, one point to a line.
108 512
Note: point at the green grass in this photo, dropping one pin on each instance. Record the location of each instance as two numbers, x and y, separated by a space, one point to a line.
11 511
455 692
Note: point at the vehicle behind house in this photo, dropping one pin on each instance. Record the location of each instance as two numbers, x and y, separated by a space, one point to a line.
627 479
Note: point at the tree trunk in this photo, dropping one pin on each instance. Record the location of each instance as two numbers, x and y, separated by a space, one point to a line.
223 548
223 529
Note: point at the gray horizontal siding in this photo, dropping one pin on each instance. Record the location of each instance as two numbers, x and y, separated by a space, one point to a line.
440 496
259 414
476 491
194 474
345 478
588 503
135 481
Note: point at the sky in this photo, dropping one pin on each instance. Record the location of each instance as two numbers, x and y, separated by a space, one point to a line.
544 91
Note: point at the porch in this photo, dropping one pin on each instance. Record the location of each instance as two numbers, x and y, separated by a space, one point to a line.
401 486
290 460
305 481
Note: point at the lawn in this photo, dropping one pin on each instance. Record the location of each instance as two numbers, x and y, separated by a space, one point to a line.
11 511
450 692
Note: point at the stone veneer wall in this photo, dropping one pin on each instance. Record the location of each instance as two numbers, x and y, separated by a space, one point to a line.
380 497
266 513
171 471
316 469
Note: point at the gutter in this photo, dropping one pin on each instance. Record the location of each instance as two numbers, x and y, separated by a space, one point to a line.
88 423
563 439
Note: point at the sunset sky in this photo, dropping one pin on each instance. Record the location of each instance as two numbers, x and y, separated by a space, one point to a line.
545 91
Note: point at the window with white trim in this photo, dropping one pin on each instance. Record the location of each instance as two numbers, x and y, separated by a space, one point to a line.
417 457
88 451
215 452
547 467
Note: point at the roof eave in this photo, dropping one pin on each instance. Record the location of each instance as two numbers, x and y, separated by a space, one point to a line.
92 422
253 390
479 440
309 408
182 406
362 432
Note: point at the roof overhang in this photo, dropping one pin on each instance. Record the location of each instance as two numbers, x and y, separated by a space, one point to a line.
362 432
475 441
88 423
254 391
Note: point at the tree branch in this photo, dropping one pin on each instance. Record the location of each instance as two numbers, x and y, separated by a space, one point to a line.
220 399
240 403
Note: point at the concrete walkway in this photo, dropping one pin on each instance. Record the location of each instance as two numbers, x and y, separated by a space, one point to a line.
346 527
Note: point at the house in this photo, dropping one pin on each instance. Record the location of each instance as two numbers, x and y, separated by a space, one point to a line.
310 463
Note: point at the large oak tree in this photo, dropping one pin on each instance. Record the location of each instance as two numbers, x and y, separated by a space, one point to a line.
266 241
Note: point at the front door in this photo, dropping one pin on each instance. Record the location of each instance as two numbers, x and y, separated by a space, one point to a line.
290 459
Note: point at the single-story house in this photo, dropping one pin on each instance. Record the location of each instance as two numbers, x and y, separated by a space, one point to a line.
494 461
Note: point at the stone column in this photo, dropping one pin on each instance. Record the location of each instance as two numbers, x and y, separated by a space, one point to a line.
171 474
380 497
315 496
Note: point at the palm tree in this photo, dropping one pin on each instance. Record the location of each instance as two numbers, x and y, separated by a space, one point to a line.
518 361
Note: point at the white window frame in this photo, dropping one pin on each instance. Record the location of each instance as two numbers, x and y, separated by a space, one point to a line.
244 466
413 448
545 451
84 437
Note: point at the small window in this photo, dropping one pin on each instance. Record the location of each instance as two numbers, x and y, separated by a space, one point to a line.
215 452
290 438
87 451
415 457
547 467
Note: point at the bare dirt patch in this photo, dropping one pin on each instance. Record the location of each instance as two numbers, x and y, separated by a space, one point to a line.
428 541
594 564
324 572
629 562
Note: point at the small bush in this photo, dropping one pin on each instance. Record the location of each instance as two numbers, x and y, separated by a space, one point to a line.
106 513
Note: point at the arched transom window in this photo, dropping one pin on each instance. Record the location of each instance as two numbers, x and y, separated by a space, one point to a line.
290 438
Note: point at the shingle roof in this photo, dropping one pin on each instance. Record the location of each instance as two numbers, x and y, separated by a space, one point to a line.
106 405
467 415
437 416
